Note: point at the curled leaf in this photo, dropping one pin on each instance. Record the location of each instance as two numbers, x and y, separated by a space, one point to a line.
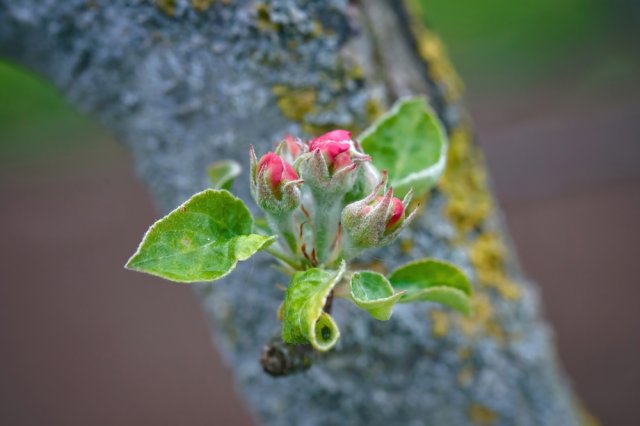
202 240
410 143
372 292
303 317
433 280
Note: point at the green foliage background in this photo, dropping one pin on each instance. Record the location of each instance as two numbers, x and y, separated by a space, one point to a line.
506 37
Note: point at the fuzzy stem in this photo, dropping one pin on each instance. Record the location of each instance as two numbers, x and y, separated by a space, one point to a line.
325 220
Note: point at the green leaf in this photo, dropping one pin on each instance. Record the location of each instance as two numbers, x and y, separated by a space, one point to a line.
303 317
447 296
372 292
433 280
222 173
202 240
410 143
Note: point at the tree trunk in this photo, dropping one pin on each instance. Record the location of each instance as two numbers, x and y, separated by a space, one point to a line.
184 83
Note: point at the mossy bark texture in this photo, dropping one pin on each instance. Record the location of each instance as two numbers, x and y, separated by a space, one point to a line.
184 83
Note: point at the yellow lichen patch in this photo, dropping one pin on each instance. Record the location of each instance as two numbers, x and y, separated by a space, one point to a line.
295 103
430 47
263 18
374 109
481 321
355 71
440 323
460 148
316 28
432 50
494 330
406 245
467 213
481 415
464 352
487 254
465 376
469 204
167 6
465 184
201 5
481 313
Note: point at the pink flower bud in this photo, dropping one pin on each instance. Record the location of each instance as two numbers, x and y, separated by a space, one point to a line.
277 170
335 153
274 183
334 135
332 163
376 220
394 215
397 213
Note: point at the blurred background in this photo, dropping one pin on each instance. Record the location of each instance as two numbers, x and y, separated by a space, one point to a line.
553 86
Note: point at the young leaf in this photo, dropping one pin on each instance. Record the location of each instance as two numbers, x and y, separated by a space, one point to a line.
448 296
410 143
372 292
222 173
433 280
303 318
202 240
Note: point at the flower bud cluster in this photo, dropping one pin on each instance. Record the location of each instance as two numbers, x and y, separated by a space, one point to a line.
330 186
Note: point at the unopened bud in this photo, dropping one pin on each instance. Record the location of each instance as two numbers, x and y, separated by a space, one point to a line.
335 147
274 183
330 166
376 220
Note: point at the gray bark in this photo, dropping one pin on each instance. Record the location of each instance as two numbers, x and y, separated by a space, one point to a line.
183 87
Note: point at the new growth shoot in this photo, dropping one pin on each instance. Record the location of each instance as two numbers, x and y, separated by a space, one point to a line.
325 201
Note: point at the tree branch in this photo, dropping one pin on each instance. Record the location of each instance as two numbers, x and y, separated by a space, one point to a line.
183 86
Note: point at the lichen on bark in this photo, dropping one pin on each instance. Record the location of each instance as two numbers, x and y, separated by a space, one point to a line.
198 82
